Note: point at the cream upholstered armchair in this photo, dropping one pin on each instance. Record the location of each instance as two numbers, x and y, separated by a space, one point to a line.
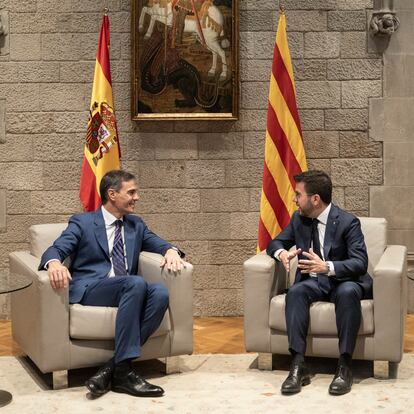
381 335
58 337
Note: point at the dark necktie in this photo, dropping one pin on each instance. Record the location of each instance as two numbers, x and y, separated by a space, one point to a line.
118 259
323 281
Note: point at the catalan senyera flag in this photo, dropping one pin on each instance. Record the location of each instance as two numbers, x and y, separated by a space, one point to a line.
102 150
284 150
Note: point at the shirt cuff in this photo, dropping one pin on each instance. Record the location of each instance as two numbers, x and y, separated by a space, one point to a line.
51 260
277 254
331 268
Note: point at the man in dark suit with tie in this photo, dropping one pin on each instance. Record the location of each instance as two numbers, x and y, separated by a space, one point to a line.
104 247
332 267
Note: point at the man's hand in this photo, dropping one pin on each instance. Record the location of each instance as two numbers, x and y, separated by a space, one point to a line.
314 264
173 261
59 275
285 257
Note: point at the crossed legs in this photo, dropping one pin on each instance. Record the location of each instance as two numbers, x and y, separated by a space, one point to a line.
141 307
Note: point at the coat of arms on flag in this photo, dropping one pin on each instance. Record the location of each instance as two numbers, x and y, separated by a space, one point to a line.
101 133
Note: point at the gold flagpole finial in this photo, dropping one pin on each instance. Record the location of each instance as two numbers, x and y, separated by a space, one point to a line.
105 11
281 8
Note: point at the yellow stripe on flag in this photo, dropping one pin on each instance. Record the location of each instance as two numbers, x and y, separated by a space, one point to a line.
287 123
282 44
102 89
268 216
278 171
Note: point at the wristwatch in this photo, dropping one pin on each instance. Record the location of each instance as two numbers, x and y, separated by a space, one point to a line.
176 249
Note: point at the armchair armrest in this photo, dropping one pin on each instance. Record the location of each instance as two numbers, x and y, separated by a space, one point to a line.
180 287
390 302
263 279
43 312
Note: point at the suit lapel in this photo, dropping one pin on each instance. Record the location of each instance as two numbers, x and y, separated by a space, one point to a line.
129 232
100 232
331 226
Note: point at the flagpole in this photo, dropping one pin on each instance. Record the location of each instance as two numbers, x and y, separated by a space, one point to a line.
105 11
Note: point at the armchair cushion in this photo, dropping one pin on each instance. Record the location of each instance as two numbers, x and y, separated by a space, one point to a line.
43 235
375 235
322 317
98 322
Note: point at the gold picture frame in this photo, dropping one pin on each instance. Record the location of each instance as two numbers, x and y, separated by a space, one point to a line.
185 60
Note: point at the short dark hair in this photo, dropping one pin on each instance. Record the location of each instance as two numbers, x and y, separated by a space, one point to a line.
113 179
316 182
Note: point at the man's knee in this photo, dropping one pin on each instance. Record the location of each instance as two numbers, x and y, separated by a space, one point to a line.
136 284
297 291
349 290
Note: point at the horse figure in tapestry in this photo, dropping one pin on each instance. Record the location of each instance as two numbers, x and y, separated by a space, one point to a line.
208 28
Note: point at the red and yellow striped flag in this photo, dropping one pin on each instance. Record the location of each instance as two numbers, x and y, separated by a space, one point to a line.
102 151
284 150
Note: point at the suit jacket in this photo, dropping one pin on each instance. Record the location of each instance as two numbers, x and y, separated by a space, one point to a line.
343 245
85 241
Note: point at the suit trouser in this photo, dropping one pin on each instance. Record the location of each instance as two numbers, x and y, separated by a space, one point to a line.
141 307
347 299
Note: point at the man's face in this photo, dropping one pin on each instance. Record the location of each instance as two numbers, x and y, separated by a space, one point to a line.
303 200
124 200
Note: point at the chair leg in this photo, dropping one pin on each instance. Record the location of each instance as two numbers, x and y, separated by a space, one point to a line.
265 361
172 365
392 370
60 380
385 369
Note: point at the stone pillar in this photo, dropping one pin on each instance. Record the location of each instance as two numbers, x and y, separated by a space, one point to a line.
2 141
391 121
2 210
2 121
4 33
3 302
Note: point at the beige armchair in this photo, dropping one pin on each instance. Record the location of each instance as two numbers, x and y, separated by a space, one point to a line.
58 337
381 335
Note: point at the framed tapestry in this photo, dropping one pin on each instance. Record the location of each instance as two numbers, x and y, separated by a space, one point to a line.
185 60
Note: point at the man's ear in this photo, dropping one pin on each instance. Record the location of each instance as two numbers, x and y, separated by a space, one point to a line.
111 194
317 199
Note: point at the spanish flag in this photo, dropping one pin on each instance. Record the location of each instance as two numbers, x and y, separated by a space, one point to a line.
284 151
102 151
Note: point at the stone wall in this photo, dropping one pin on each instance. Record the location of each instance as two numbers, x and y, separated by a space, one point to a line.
200 181
392 122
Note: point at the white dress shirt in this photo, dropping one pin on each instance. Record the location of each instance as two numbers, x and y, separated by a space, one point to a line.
322 220
110 228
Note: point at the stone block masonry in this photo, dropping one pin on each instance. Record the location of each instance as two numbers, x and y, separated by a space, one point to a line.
199 181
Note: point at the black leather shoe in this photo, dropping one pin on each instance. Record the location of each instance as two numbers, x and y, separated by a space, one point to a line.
342 382
133 384
298 376
100 383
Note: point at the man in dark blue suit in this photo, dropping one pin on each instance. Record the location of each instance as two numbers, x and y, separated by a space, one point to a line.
104 247
332 267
